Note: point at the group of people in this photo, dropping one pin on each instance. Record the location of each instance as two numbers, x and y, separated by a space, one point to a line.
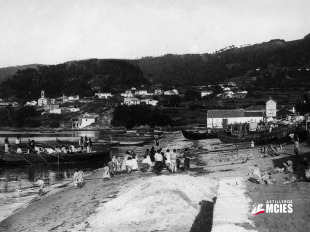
86 143
153 160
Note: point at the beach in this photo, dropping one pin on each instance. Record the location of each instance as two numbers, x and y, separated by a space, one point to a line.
168 202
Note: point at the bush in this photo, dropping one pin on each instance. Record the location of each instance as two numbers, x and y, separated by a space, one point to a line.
54 124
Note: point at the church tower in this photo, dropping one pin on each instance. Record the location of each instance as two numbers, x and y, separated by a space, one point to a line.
42 94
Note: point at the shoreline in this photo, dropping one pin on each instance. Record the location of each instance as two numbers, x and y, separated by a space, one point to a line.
92 201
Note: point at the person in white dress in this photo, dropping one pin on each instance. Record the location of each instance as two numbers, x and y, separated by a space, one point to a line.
168 159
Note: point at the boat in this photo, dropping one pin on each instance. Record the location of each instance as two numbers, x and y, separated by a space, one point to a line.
131 143
197 134
47 131
277 135
35 158
113 131
109 143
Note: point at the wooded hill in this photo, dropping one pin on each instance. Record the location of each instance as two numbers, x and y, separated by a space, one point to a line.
201 69
75 77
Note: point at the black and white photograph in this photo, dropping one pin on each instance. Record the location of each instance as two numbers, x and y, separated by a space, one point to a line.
154 115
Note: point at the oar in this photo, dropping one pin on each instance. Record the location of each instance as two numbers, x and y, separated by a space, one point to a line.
23 158
37 154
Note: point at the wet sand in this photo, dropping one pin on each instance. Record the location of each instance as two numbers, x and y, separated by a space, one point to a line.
79 209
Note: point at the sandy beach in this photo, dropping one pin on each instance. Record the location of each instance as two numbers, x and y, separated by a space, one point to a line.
168 202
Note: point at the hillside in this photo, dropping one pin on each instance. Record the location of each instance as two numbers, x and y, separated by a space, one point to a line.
274 64
76 77
8 72
226 63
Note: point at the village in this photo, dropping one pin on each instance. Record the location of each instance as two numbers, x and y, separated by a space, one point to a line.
76 112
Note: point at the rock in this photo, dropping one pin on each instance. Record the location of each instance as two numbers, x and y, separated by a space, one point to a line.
254 174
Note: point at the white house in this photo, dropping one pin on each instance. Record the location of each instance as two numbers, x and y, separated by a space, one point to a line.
128 93
131 101
220 118
149 102
170 92
84 120
226 89
141 92
73 98
158 92
32 103
228 94
55 111
231 84
206 92
103 95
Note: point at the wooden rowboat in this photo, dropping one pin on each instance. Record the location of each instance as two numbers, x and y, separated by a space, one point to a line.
34 158
197 135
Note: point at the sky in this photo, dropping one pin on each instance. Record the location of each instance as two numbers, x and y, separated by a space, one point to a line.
56 31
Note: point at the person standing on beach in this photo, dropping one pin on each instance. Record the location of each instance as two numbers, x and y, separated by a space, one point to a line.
89 145
158 162
80 178
168 159
76 179
152 154
81 142
156 141
17 141
106 172
296 144
178 160
6 145
187 159
173 158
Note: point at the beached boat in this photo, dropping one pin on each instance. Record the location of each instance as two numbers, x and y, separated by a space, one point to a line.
277 135
34 158
197 135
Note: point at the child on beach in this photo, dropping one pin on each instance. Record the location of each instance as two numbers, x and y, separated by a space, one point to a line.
75 179
106 173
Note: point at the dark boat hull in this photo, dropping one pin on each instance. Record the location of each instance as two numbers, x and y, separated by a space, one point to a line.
195 135
277 136
18 159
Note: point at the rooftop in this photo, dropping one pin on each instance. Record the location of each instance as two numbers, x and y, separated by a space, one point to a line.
225 113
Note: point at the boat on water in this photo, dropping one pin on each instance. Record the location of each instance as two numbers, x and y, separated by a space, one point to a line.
47 158
112 131
47 131
199 134
131 143
109 143
276 135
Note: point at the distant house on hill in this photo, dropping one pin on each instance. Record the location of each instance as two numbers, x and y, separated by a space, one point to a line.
141 92
158 92
241 94
128 93
131 101
103 95
84 120
221 118
149 102
231 84
206 92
